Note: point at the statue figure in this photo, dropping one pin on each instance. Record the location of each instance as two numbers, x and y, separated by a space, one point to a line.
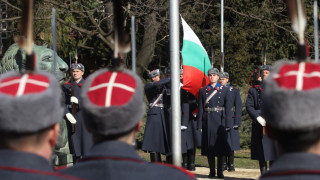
13 60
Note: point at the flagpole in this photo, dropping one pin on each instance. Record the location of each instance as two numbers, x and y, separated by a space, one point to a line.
133 41
54 40
175 81
222 50
316 36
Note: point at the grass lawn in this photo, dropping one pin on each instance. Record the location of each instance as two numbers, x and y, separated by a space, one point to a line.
241 159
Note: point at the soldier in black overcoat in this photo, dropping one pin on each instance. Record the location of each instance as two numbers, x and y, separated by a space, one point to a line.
213 108
115 122
190 135
233 135
80 140
291 109
31 109
155 138
263 148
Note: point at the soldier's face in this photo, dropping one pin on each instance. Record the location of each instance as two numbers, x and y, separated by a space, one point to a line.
265 74
223 81
77 74
155 78
213 78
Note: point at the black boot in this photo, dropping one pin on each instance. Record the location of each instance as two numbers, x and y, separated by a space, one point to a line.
220 166
231 162
191 159
185 160
225 167
169 159
263 166
153 156
212 168
158 157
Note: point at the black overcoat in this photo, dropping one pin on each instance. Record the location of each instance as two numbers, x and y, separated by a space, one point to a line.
213 123
155 138
81 140
262 147
236 102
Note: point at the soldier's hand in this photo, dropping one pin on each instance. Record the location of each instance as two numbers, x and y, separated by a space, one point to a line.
74 100
71 118
184 127
236 127
261 121
227 129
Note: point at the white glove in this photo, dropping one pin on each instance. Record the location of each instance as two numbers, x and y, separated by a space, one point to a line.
71 119
184 127
261 121
74 100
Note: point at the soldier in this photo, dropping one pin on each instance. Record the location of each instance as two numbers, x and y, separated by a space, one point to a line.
31 108
190 136
233 135
80 140
263 149
113 106
290 107
155 134
213 107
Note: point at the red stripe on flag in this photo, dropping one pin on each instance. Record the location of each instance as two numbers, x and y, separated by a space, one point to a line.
194 79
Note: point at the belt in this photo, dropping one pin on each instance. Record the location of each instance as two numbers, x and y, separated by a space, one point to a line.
156 105
214 109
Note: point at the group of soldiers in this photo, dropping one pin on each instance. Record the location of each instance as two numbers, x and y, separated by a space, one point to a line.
210 121
283 107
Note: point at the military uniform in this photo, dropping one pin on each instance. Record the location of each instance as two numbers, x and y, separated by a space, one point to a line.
21 165
211 117
294 166
114 117
156 132
30 105
80 141
190 137
236 111
120 161
262 147
290 107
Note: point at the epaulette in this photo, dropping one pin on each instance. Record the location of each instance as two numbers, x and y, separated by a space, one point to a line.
67 83
191 175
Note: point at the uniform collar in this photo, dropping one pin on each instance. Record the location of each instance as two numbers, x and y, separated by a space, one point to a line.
217 86
19 159
113 149
296 161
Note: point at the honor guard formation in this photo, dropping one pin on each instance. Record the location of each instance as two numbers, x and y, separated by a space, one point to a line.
104 114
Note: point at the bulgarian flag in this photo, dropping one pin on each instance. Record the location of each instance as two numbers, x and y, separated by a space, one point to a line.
195 60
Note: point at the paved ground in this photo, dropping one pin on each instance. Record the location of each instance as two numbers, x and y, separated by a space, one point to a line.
249 174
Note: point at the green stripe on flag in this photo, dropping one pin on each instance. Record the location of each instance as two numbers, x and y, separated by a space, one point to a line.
194 55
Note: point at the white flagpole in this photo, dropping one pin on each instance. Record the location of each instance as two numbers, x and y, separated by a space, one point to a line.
175 81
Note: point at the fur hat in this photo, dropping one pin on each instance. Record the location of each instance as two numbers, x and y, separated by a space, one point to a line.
154 73
213 71
77 66
29 102
265 67
224 75
291 96
112 101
